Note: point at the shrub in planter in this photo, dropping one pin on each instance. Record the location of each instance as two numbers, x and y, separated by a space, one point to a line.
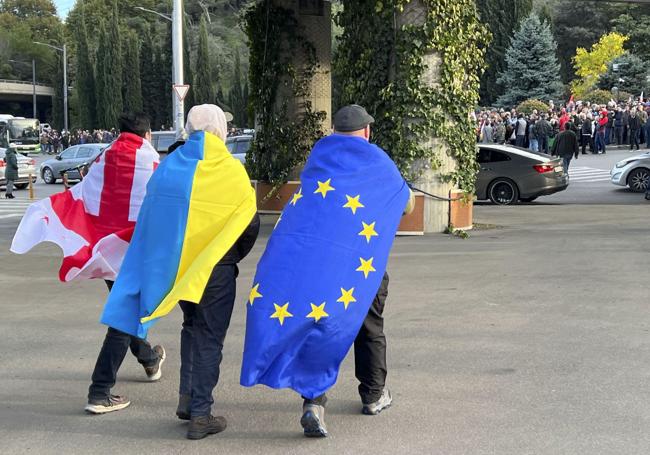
598 97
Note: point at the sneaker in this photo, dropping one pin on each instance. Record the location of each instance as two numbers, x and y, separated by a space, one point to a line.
202 426
183 409
155 372
313 420
110 404
385 400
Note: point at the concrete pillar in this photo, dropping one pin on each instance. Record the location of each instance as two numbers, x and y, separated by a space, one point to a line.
436 213
314 19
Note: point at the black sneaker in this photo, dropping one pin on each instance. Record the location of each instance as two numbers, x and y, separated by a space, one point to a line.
385 400
155 372
183 409
110 404
313 420
202 426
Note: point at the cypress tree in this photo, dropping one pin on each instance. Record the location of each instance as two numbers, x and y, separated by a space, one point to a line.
532 69
203 86
131 74
159 101
165 80
85 83
502 17
237 95
109 73
148 76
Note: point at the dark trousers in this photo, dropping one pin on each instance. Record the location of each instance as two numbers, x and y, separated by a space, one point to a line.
111 356
618 132
369 351
585 140
520 141
543 144
634 139
202 337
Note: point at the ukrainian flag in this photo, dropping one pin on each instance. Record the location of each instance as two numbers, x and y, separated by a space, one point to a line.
322 266
198 203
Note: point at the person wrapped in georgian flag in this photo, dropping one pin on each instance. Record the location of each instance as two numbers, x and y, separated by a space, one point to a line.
94 221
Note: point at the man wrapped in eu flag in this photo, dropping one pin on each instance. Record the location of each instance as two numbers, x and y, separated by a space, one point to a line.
320 285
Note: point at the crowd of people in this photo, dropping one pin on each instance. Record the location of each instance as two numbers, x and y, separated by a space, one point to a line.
53 141
596 126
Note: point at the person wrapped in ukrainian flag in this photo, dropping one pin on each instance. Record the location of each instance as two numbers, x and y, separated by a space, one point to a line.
197 221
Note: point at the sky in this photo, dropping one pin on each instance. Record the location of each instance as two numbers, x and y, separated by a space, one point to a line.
63 6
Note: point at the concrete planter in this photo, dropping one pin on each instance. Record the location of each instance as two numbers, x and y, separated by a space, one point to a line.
461 213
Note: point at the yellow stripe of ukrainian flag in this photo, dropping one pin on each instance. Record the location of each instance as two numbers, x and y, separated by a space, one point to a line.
222 205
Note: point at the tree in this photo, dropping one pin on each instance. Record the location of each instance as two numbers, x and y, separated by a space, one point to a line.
148 78
590 65
637 28
492 13
532 69
85 83
131 81
109 73
187 64
628 73
203 80
236 98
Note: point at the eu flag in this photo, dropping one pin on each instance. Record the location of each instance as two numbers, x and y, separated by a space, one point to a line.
322 266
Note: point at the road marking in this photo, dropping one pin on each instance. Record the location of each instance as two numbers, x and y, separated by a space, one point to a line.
582 174
11 215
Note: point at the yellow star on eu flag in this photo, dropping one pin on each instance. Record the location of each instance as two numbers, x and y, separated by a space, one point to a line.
346 297
324 187
353 203
254 294
296 197
368 231
317 312
281 312
366 267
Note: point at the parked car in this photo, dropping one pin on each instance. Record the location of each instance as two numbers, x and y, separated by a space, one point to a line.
50 170
238 146
633 172
26 167
161 140
509 174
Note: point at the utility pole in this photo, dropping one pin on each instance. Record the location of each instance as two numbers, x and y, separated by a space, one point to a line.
64 50
177 52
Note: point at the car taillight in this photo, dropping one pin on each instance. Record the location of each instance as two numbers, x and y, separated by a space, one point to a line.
543 168
2 163
32 162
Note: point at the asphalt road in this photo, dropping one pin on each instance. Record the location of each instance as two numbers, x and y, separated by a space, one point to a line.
530 337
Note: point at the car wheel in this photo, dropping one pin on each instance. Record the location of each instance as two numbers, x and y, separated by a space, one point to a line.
21 186
638 180
48 176
528 199
503 192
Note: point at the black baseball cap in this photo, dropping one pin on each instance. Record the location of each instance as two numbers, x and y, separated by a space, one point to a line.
352 118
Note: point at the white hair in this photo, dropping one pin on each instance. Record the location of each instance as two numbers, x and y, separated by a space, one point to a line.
207 117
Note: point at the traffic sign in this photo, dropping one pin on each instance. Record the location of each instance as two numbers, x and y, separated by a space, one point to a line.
181 90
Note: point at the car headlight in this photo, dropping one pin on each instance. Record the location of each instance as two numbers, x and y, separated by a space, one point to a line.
621 164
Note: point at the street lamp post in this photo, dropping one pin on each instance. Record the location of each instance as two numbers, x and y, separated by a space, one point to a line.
33 83
177 58
64 50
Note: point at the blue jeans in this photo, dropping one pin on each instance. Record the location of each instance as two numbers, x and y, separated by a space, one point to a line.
202 337
534 145
566 161
543 145
600 142
520 141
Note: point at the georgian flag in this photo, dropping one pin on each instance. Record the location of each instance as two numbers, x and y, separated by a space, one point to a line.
94 221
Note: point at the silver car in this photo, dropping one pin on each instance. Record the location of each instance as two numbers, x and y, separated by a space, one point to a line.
238 146
633 172
26 167
510 174
77 155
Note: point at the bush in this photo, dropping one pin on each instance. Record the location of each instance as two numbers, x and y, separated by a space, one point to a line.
528 106
598 97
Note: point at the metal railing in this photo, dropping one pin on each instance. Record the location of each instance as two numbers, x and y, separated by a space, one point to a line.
12 81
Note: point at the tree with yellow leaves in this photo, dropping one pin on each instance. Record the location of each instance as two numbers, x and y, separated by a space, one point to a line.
590 65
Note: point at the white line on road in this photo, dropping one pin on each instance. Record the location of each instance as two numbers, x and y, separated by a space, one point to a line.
11 215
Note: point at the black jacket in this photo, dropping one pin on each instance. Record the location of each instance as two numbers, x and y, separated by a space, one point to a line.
244 244
566 144
635 123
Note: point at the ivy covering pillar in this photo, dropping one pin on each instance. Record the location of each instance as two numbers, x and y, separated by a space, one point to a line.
416 66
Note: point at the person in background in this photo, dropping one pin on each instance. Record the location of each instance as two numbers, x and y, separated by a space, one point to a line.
600 132
533 142
11 172
566 146
520 130
635 129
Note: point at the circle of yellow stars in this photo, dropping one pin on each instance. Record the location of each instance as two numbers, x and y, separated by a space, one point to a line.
366 267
